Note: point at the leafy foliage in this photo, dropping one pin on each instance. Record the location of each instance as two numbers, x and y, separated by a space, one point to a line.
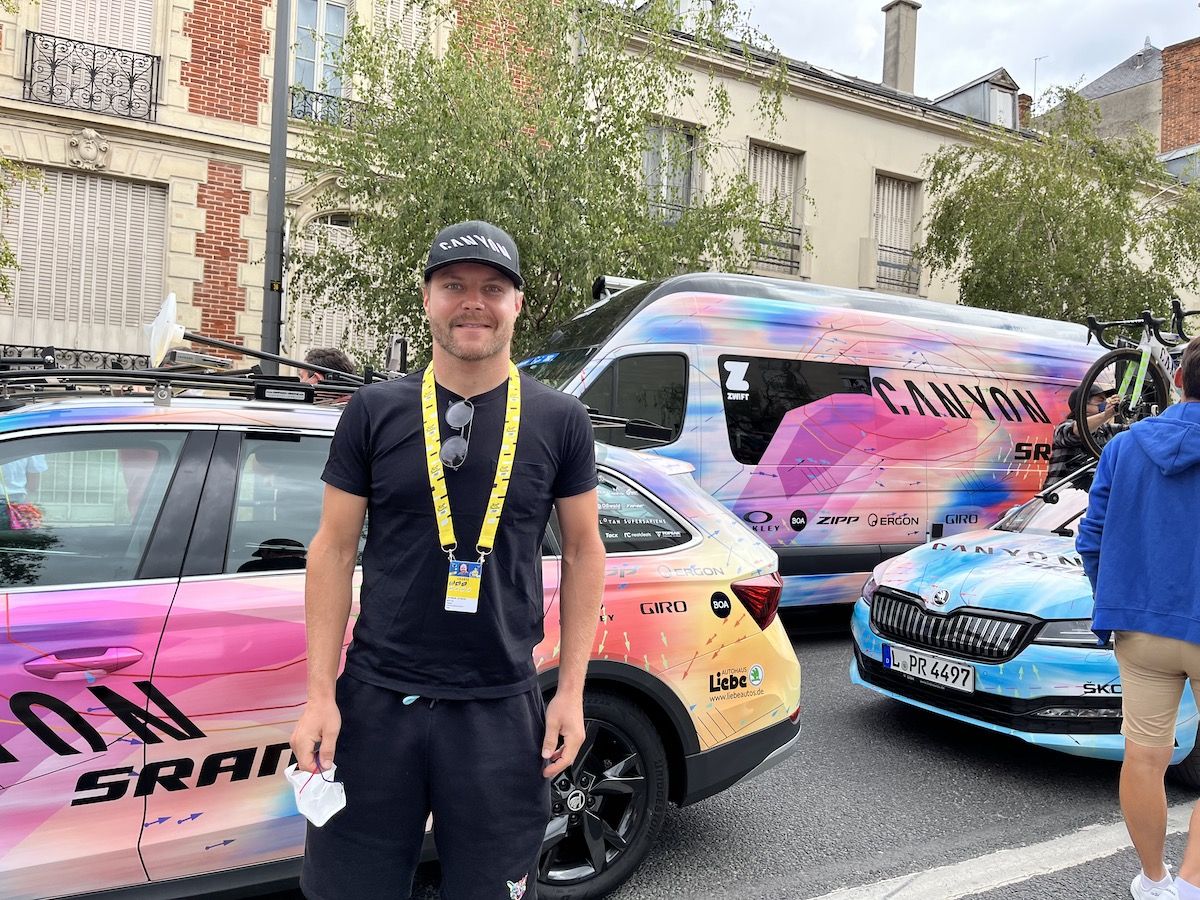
539 116
1062 226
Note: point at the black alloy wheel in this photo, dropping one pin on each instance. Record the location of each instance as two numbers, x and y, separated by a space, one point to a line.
607 807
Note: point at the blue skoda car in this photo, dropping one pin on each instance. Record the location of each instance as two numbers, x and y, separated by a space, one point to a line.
993 628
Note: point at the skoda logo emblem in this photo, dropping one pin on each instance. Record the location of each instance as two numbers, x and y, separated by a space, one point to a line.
941 597
575 801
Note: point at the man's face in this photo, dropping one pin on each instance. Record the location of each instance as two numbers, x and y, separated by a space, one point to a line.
1096 404
472 309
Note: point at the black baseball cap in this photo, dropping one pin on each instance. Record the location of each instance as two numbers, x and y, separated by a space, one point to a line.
477 242
1095 391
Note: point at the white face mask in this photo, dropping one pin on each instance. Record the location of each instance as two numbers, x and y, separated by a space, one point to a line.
318 797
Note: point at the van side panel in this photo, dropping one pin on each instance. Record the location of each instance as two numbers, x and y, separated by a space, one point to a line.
843 437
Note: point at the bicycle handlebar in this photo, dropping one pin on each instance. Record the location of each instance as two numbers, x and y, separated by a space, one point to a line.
1149 324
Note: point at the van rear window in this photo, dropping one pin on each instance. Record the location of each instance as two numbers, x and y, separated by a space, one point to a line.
757 393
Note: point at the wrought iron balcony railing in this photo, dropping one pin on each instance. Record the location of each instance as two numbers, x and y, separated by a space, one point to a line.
76 359
325 109
782 249
76 74
898 270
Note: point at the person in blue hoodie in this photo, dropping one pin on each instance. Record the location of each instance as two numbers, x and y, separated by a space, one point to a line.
1140 552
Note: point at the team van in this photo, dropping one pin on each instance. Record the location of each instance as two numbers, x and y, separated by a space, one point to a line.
844 427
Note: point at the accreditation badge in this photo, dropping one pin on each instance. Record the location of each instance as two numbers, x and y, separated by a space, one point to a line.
462 587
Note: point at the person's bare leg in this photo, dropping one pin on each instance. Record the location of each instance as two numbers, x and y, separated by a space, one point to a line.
1144 805
1189 871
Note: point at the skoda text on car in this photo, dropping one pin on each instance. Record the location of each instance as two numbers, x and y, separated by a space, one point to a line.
843 426
993 627
152 659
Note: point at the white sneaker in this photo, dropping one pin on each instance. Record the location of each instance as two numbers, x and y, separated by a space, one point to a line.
1166 892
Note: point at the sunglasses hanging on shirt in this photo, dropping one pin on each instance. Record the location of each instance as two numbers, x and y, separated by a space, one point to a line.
454 450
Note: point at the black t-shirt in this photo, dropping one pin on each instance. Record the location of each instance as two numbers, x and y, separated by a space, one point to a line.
404 638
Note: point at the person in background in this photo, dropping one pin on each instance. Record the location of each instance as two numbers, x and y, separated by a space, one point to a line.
1139 550
329 358
1069 454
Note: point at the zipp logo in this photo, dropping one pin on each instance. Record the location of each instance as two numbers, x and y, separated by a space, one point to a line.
837 520
735 376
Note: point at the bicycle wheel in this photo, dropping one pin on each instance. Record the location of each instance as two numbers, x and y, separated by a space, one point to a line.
1119 369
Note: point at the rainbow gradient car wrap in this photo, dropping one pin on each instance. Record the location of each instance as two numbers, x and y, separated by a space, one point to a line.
144 725
1054 686
934 426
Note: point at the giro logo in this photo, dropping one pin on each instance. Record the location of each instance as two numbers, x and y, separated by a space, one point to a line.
663 606
798 520
721 606
735 376
962 519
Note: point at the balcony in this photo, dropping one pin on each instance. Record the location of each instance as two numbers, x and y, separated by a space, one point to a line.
781 250
324 109
897 270
78 75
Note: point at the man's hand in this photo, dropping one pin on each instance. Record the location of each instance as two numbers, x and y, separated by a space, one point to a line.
319 724
564 718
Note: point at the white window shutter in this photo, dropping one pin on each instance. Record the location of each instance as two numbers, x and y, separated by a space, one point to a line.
775 171
315 321
402 19
125 24
78 285
894 212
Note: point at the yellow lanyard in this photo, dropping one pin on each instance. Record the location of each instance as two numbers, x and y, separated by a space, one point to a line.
437 475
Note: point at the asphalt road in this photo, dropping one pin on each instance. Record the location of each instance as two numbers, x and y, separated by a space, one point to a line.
877 791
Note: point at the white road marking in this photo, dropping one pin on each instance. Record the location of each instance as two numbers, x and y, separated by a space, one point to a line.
1009 866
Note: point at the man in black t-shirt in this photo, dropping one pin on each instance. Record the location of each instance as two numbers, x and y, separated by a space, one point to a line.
438 710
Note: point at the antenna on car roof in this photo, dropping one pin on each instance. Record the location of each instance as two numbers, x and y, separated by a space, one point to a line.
165 330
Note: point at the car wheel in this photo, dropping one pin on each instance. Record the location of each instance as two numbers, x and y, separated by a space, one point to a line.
1187 770
607 808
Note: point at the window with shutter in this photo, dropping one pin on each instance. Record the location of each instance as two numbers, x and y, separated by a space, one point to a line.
667 163
320 30
125 24
777 172
895 201
315 321
402 19
92 255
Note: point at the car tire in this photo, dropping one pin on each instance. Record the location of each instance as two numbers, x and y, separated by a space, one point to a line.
1187 771
622 826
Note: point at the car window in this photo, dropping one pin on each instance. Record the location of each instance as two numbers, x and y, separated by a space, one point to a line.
630 522
80 508
1039 517
277 503
650 386
757 393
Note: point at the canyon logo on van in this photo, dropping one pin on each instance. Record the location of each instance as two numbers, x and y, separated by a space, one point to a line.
843 427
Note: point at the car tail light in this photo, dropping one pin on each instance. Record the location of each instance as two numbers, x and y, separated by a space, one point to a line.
760 596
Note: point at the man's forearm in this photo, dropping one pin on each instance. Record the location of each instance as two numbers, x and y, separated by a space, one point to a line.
328 591
579 605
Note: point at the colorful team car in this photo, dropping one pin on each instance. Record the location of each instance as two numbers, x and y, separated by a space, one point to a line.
844 427
153 647
993 627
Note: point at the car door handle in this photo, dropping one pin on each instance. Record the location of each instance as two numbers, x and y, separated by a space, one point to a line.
80 663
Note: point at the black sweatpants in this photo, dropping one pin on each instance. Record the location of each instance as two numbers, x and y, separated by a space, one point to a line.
476 765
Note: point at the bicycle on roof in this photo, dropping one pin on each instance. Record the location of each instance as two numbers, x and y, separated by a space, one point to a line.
1137 372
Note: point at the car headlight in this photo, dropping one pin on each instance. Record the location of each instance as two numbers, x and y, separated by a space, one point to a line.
868 590
1069 633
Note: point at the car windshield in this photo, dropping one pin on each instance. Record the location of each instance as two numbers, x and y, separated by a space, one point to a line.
1039 517
573 343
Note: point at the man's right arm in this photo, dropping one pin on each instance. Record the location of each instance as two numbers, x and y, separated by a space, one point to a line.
328 592
1091 526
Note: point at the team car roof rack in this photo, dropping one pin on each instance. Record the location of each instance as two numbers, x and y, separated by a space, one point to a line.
173 370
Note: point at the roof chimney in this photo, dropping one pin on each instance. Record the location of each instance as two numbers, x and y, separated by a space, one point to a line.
900 44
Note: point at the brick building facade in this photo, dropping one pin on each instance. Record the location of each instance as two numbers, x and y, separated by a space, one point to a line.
148 124
1181 96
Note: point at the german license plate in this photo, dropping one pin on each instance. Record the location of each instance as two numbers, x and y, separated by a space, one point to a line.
930 668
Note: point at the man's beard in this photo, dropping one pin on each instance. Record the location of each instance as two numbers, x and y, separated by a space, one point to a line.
444 336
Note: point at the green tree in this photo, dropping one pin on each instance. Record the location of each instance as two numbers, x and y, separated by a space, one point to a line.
537 116
10 173
1063 225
